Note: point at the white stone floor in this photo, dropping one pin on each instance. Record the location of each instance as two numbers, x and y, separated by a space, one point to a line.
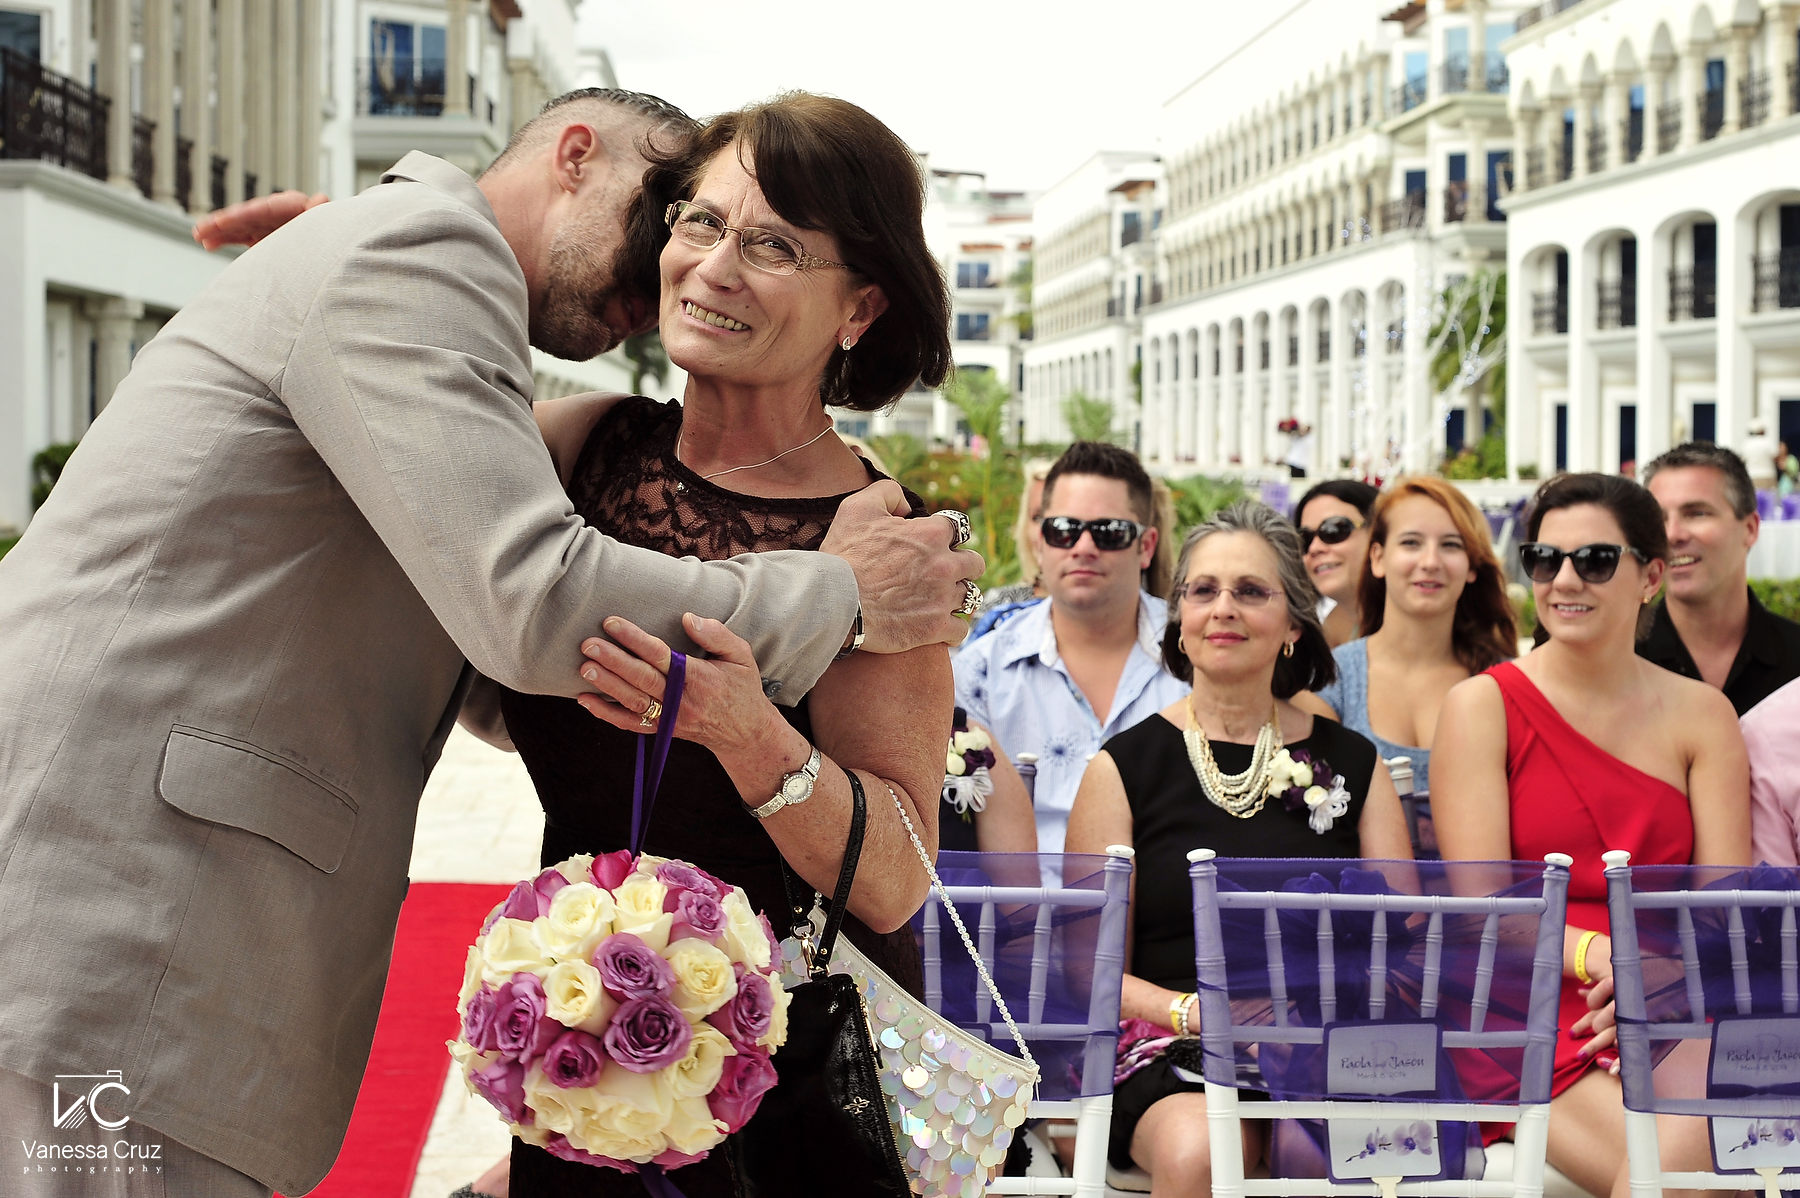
479 821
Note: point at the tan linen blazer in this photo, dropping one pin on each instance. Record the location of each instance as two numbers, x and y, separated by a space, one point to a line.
233 642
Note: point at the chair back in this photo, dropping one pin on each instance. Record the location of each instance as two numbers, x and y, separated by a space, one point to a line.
1399 999
1026 764
1057 955
1709 954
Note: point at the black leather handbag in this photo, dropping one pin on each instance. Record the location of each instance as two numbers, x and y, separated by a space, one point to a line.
824 1125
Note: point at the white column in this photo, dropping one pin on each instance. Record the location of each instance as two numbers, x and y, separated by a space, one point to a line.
456 58
284 148
1656 82
1585 98
1339 401
1616 105
1655 390
115 84
1477 10
1736 378
196 83
259 82
1475 210
159 95
114 319
1586 409
312 96
1690 85
1524 417
231 96
1737 70
1525 140
1423 441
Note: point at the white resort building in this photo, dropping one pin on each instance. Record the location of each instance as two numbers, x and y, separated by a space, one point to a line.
1654 255
1094 274
1314 211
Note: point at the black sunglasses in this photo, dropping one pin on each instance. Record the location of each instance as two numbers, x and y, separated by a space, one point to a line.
1595 563
1333 530
1062 532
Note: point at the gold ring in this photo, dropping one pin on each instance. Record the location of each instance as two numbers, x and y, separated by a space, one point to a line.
971 599
651 714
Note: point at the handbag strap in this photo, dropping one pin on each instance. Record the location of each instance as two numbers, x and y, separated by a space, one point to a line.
840 898
937 885
645 783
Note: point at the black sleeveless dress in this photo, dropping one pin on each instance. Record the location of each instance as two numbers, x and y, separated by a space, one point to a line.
629 484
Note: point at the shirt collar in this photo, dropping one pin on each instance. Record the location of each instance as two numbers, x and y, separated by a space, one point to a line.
447 177
1033 634
1664 643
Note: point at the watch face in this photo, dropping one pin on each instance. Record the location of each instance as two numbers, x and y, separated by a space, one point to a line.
797 787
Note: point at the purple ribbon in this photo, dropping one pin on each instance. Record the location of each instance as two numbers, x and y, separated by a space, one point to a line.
643 796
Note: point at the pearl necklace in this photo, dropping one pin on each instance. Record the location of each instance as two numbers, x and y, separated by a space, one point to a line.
776 458
1241 795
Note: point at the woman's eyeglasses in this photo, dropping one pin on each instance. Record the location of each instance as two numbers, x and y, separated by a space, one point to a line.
1205 594
764 249
1333 530
1062 532
1595 563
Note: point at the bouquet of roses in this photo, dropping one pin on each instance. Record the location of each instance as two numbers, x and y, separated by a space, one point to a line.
621 1010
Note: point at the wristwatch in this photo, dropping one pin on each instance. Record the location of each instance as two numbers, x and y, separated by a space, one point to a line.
795 788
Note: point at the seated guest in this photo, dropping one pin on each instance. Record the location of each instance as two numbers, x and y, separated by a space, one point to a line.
1004 602
1709 625
1064 675
1333 519
1580 747
1212 770
1434 612
984 806
1770 739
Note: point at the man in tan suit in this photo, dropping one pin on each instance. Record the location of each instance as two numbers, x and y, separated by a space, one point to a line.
238 633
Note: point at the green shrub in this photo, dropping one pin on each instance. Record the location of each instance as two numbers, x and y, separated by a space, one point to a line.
1779 595
7 543
46 467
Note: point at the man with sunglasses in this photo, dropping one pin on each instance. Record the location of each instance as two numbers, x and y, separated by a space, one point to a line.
1709 624
1086 663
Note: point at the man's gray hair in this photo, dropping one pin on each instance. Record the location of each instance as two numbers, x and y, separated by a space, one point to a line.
664 120
1740 492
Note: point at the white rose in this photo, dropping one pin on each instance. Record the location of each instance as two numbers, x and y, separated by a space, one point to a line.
1303 774
556 1109
638 909
580 917
978 739
649 863
695 1075
469 1061
704 979
624 1115
744 938
776 1036
511 947
1316 795
1281 772
471 983
954 765
574 997
532 1135
576 868
693 1129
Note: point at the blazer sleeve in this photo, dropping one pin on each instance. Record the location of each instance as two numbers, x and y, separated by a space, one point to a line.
409 375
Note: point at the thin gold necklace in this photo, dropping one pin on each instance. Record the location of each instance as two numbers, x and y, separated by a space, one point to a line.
1242 795
776 458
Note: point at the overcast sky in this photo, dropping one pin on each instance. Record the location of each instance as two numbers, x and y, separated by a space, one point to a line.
1024 92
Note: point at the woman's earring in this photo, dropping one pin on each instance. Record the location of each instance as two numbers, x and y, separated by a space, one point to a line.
848 344
1181 645
1287 649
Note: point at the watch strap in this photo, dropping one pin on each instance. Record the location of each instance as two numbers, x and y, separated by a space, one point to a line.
814 762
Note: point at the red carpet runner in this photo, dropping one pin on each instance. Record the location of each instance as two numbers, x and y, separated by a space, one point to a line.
399 1095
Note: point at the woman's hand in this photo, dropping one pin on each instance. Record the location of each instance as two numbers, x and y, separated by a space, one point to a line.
1598 1023
249 221
722 705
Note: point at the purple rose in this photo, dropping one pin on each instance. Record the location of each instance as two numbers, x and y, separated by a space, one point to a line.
522 903
745 1019
559 1146
521 1029
503 1085
746 1078
671 1158
632 969
647 1034
545 887
478 1020
697 914
679 875
493 917
574 1059
609 869
774 941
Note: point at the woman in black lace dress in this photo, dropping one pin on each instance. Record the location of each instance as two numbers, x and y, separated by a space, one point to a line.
796 279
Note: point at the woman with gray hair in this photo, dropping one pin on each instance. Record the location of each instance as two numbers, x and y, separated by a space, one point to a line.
1234 767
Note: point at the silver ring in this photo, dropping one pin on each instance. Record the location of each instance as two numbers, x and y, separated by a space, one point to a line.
971 599
963 531
651 714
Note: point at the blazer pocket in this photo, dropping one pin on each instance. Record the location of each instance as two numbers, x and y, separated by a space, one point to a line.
233 782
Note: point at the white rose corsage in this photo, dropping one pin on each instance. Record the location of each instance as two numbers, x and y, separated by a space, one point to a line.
1305 783
966 763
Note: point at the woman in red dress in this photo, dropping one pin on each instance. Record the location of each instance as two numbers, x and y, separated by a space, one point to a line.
1582 746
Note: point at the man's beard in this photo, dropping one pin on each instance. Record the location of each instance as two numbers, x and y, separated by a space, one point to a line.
570 320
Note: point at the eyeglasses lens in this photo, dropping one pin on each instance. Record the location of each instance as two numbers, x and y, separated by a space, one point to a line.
1205 594
1333 530
761 248
1593 563
1063 532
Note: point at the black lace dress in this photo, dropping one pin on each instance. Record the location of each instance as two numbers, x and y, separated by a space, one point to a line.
629 484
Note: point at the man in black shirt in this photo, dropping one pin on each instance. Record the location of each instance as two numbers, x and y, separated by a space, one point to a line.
1709 624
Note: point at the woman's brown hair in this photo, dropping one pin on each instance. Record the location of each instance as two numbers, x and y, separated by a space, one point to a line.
1484 632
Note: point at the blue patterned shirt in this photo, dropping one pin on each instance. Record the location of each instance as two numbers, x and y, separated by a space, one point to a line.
1013 681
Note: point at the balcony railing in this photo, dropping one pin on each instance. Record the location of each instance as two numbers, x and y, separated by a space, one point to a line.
1396 337
1453 74
1156 293
1777 276
1456 201
1407 212
1631 135
48 116
143 153
184 172
1262 356
219 168
1534 165
1542 12
389 88
1324 346
1293 350
1237 359
249 185
1565 160
1596 149
1753 99
1550 311
1499 79
1793 87
1616 303
1693 292
1668 126
1408 95
1114 309
1710 108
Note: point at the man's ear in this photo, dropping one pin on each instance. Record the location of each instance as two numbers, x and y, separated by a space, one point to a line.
576 152
1147 547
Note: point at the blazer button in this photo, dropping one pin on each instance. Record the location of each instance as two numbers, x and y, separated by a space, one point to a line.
771 688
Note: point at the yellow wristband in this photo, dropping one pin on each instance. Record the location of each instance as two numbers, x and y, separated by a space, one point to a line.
1178 1016
1581 950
